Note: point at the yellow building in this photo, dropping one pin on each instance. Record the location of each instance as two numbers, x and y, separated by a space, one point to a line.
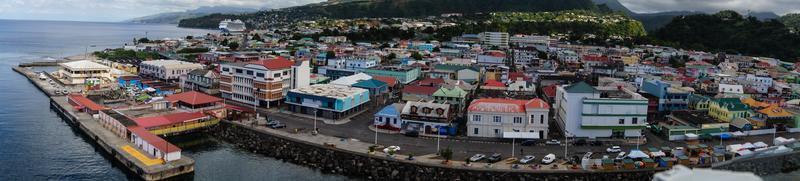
727 109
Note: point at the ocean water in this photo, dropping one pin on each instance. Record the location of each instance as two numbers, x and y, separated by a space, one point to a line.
35 144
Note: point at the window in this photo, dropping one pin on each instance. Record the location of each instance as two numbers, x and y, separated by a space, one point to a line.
497 119
496 131
518 120
476 118
635 121
395 121
239 71
260 74
277 75
249 72
622 121
541 119
532 118
286 73
225 69
475 131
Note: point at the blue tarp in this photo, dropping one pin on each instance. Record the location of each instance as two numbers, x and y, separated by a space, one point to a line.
725 136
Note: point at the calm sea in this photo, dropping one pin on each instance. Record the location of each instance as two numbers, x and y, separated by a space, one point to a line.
35 144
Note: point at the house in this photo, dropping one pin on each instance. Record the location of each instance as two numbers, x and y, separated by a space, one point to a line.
727 109
455 72
327 100
388 118
700 68
730 89
494 39
403 74
697 102
166 70
520 86
669 98
194 101
495 117
83 104
454 96
775 117
206 81
263 82
492 57
525 57
699 120
493 85
418 93
83 72
586 111
427 117
175 123
392 84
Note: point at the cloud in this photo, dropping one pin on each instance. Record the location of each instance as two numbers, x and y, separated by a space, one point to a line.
650 6
117 10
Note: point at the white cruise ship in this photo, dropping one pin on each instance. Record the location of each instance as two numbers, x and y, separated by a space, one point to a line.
232 26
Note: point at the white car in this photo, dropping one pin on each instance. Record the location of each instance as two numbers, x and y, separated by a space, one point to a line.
527 159
614 149
552 142
620 156
588 155
549 158
477 157
392 148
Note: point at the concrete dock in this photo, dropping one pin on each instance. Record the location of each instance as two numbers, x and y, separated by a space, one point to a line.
135 161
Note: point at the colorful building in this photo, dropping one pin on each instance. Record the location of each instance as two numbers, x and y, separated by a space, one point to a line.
496 117
327 100
403 74
727 109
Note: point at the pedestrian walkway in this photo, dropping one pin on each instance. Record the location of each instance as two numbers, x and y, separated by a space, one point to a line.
141 157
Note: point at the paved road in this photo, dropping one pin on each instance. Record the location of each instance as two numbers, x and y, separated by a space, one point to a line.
358 129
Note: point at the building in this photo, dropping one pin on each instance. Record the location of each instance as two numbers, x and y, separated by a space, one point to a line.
452 95
586 111
494 39
327 100
727 109
492 57
84 72
263 82
455 72
388 118
358 63
775 117
175 123
83 104
153 145
403 74
669 98
194 101
427 117
493 117
206 81
332 39
539 42
699 120
525 57
167 70
418 92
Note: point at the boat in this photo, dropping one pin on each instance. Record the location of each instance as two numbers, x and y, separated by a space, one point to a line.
232 26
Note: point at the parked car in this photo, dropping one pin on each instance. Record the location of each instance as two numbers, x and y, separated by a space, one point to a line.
391 148
548 159
477 157
620 156
527 159
614 149
273 122
279 125
528 143
412 133
553 142
496 157
596 143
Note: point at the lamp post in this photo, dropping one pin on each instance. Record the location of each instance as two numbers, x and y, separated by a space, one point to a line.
255 101
86 51
315 121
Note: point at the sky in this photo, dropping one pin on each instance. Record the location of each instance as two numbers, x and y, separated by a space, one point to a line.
779 7
119 10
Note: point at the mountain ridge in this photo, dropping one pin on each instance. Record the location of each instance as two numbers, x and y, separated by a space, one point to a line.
175 17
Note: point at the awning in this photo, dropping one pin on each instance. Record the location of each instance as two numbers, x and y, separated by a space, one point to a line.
748 145
637 154
691 136
760 144
523 135
737 134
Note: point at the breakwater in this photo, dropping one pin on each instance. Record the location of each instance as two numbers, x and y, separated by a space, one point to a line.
366 166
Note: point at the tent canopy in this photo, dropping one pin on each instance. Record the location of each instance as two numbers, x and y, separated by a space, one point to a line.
637 154
760 144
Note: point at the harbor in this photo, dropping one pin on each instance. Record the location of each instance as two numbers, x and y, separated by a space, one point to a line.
135 161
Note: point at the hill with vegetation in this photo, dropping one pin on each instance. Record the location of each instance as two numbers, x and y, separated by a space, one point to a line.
792 21
388 8
176 17
730 32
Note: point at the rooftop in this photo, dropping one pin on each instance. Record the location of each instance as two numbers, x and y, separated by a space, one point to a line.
125 120
277 63
506 105
171 63
696 118
84 65
154 121
330 90
193 98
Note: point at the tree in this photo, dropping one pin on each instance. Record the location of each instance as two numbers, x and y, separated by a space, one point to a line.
143 40
330 55
233 45
446 153
224 42
416 56
391 56
189 37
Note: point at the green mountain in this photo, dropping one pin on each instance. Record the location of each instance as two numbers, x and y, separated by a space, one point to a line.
792 21
729 31
389 8
175 17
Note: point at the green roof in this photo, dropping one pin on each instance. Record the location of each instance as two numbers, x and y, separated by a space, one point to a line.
732 104
371 83
580 87
454 92
450 67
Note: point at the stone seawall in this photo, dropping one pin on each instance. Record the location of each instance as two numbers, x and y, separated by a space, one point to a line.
767 165
366 166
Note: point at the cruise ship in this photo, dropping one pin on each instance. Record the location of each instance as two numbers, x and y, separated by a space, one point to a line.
232 26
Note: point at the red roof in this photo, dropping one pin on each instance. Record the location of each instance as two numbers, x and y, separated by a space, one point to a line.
514 75
422 90
86 102
431 82
154 140
494 83
495 53
391 81
506 105
174 118
278 63
193 98
550 90
595 58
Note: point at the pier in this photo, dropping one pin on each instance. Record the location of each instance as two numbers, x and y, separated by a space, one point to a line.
122 151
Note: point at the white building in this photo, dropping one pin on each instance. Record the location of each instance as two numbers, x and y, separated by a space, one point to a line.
498 39
356 63
494 117
83 72
540 42
730 88
586 111
492 57
262 82
333 39
525 56
167 69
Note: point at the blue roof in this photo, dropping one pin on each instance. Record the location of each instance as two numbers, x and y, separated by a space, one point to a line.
389 110
371 83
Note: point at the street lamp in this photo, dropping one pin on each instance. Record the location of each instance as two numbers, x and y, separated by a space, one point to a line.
255 101
315 120
86 51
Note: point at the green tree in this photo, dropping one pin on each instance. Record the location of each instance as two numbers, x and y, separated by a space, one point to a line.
143 40
446 153
233 45
416 56
391 56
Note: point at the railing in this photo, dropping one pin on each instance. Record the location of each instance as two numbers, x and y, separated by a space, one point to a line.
183 128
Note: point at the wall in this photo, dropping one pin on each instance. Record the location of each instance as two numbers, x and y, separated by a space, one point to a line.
360 165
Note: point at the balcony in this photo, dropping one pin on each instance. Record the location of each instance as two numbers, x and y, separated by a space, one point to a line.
225 79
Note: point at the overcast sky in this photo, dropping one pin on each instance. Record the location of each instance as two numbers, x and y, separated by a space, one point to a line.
118 10
780 7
